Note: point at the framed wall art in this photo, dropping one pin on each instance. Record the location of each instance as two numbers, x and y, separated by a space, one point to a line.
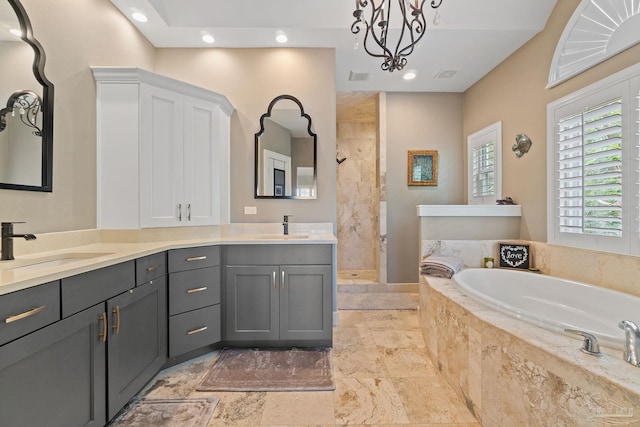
422 168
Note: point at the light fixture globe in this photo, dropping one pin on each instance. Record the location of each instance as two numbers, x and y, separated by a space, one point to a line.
376 29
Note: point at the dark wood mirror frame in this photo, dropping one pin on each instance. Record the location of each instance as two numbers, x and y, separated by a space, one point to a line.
257 148
47 103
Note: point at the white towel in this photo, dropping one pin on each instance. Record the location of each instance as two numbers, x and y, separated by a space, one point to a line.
441 265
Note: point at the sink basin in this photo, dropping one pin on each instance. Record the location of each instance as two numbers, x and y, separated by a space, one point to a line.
282 236
48 262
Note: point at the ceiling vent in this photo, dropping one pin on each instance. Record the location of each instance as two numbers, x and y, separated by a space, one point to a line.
445 74
358 77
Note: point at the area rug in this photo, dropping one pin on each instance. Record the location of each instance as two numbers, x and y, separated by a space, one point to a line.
377 301
189 412
270 370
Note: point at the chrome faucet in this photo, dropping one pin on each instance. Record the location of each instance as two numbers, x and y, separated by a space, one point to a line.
7 240
285 224
590 345
631 351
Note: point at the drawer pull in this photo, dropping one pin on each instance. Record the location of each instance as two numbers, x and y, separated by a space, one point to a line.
197 258
103 334
26 314
195 331
116 327
193 291
274 280
152 267
282 279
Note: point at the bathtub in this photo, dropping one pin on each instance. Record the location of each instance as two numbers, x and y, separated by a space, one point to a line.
551 302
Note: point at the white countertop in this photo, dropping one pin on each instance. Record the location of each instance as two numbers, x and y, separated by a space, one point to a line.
469 210
90 257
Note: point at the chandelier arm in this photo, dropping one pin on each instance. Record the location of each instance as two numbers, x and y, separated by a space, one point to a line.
370 31
417 27
436 3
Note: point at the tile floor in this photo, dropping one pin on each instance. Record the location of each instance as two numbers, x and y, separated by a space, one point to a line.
383 378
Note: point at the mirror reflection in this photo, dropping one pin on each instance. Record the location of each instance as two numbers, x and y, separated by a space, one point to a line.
26 99
285 152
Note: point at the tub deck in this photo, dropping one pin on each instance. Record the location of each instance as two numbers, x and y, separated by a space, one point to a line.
511 372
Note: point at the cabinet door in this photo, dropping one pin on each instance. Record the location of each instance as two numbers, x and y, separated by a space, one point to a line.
56 376
306 302
137 340
201 157
161 158
251 303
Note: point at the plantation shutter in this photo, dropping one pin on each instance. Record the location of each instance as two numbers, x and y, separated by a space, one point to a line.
483 167
590 171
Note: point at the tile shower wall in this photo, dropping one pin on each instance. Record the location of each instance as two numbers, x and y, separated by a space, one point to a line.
357 191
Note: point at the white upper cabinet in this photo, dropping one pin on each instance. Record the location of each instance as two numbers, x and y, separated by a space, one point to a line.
163 151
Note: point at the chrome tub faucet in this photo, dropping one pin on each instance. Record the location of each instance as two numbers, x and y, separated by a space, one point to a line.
631 351
7 240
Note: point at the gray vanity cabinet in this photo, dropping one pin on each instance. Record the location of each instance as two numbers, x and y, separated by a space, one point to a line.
137 342
81 370
278 295
55 376
194 299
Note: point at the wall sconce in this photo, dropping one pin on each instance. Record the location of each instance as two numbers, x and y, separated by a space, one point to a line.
28 105
522 145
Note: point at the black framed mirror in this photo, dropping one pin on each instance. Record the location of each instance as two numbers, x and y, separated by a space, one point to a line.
26 98
285 152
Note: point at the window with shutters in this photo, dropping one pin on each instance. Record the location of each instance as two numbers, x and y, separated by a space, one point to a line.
593 166
484 165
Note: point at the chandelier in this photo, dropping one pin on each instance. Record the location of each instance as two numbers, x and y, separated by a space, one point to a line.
377 28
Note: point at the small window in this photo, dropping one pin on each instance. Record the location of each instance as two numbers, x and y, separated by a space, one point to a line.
484 165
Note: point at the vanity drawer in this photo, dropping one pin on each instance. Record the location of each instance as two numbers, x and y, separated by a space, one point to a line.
189 290
194 329
151 267
88 289
24 311
279 254
192 258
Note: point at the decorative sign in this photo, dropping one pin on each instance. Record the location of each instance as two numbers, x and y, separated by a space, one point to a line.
514 256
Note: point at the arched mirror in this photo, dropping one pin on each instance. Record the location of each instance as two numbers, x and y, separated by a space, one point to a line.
285 152
26 105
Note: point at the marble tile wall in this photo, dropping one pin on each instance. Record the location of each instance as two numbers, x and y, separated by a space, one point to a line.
609 270
512 373
357 196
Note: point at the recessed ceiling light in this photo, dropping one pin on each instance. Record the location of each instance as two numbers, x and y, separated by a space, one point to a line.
281 37
139 16
409 75
16 32
208 38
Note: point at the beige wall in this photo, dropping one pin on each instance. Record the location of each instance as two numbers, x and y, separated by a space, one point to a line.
251 78
515 93
75 35
425 121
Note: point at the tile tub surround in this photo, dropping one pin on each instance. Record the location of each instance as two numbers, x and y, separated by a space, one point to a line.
512 373
608 270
